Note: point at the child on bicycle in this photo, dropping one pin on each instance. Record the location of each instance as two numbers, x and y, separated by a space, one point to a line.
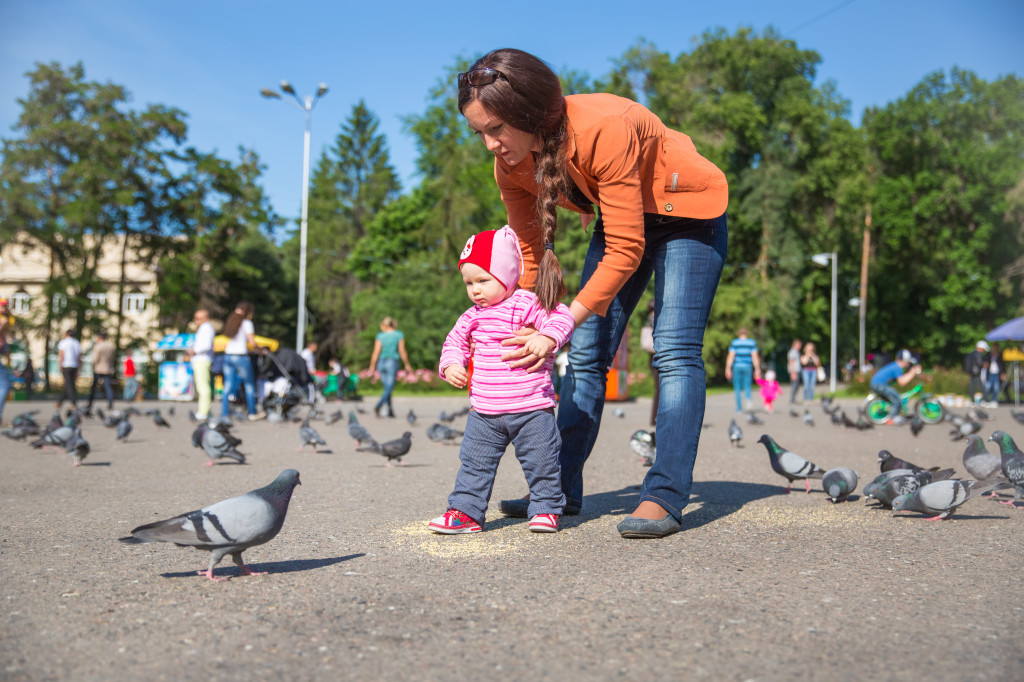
902 370
509 405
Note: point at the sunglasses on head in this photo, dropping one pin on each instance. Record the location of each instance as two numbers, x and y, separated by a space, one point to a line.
478 77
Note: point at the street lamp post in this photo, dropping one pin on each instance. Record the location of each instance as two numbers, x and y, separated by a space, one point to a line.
822 259
307 106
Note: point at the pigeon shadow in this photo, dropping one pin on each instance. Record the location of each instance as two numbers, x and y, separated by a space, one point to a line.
398 466
291 566
95 464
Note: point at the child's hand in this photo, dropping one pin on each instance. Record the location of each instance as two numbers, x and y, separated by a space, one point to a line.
456 375
540 345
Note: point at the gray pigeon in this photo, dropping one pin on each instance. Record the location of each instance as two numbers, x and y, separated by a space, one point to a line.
735 434
77 447
753 418
440 433
963 427
1019 416
333 417
124 428
392 449
896 486
309 436
980 463
20 431
838 483
808 419
59 437
941 498
789 464
643 443
228 527
159 420
217 444
1012 464
357 431
887 461
873 490
411 418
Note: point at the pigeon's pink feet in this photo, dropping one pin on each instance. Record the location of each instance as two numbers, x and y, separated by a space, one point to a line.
1012 503
209 574
807 485
208 464
940 517
248 571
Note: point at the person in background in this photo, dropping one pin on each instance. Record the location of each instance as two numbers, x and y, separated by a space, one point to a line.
810 363
388 349
238 369
742 366
6 325
902 370
103 353
309 356
69 357
995 374
201 354
28 375
131 384
974 365
793 367
770 390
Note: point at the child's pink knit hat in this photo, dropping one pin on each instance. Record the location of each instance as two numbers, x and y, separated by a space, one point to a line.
497 252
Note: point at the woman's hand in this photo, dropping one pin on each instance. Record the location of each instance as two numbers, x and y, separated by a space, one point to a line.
533 350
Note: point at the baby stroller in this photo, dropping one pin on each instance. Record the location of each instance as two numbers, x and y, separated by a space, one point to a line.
348 385
290 386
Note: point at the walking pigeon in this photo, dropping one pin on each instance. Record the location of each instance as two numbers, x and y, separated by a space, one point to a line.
439 433
941 498
808 419
357 431
77 447
916 425
838 483
217 443
228 527
789 464
159 420
643 443
392 449
124 427
20 431
309 436
59 437
735 434
980 463
1012 464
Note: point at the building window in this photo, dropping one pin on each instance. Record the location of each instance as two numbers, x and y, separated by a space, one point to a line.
135 303
19 303
97 300
60 303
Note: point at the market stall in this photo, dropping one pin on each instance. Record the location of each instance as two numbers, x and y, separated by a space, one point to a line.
1011 331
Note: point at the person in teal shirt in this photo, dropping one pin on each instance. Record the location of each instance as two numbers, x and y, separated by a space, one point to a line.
742 366
388 351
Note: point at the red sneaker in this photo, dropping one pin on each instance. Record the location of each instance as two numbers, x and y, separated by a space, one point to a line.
544 523
453 521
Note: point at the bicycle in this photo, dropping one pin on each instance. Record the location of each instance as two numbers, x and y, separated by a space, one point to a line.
927 407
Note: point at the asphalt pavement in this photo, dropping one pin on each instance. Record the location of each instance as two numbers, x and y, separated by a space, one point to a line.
760 584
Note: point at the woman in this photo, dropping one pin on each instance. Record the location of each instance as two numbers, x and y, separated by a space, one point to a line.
661 209
237 365
388 349
809 364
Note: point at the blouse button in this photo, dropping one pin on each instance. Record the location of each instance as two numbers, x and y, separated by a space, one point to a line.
668 207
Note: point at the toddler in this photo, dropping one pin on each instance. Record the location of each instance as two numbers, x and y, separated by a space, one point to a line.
509 405
769 390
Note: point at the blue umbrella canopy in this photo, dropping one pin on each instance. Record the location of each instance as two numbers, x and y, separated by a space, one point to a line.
176 342
1008 331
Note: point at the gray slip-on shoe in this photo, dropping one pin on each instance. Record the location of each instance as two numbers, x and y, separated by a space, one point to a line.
631 527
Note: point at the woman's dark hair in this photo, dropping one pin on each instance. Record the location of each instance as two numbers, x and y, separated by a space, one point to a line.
528 97
243 310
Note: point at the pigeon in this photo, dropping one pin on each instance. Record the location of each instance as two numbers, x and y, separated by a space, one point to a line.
735 434
837 418
20 432
619 412
228 527
789 464
309 436
439 433
1019 416
170 410
59 437
916 425
77 447
411 418
963 427
808 419
445 417
217 444
159 420
754 419
826 405
941 498
124 427
846 421
889 461
25 418
793 413
113 419
192 416
838 483
100 413
357 431
863 423
895 486
1012 464
643 443
55 423
392 449
924 477
333 417
980 463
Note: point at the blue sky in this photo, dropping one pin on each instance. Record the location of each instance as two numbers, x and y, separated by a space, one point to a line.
211 59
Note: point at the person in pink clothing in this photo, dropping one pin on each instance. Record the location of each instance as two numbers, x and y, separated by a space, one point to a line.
509 405
770 390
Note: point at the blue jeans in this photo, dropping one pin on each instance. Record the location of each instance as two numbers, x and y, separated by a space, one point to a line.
535 437
5 387
809 377
108 389
891 395
742 377
388 368
131 387
238 371
992 385
685 257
